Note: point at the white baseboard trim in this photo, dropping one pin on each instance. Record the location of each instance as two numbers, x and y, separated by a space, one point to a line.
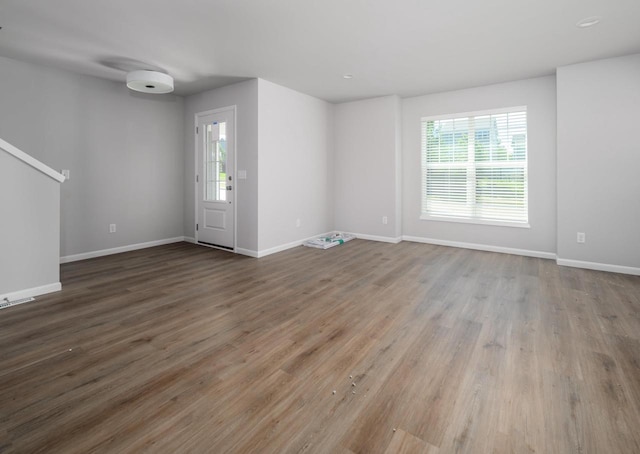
382 239
599 266
31 292
482 247
190 239
284 247
247 252
118 250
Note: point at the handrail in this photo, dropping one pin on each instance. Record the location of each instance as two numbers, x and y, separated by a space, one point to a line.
24 157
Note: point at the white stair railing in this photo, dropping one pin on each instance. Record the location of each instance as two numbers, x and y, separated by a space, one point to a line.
24 157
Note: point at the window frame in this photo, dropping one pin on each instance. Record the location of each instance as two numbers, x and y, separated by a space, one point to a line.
474 220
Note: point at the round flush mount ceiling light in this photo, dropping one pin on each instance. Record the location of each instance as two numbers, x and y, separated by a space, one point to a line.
588 22
150 82
348 76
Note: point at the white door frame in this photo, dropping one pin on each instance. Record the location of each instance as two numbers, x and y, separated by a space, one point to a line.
235 180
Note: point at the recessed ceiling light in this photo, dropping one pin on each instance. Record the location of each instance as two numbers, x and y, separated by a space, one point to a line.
348 76
588 22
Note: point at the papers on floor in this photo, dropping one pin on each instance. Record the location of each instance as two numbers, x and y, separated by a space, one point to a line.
326 242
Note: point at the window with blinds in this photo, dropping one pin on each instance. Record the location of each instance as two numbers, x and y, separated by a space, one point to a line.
474 167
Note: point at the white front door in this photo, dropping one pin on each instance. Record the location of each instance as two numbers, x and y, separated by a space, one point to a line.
215 178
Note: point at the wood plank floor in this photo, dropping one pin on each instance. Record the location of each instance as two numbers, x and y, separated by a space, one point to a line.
187 349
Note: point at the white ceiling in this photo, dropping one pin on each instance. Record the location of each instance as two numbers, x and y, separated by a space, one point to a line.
405 47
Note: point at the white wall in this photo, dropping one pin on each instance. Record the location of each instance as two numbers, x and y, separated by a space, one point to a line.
539 95
367 167
124 151
295 147
244 96
340 167
599 161
30 228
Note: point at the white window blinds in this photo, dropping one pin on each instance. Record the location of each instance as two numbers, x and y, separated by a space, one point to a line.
474 167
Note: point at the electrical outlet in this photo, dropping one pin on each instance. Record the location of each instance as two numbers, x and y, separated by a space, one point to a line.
581 237
385 220
298 223
112 228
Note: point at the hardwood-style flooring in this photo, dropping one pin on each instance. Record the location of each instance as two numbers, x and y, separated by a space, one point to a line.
181 348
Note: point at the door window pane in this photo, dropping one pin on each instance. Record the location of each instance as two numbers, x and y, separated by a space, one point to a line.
215 160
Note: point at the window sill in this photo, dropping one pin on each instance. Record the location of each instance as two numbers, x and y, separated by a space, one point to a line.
520 225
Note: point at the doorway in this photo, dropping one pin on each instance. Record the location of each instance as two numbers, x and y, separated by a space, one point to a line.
215 178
